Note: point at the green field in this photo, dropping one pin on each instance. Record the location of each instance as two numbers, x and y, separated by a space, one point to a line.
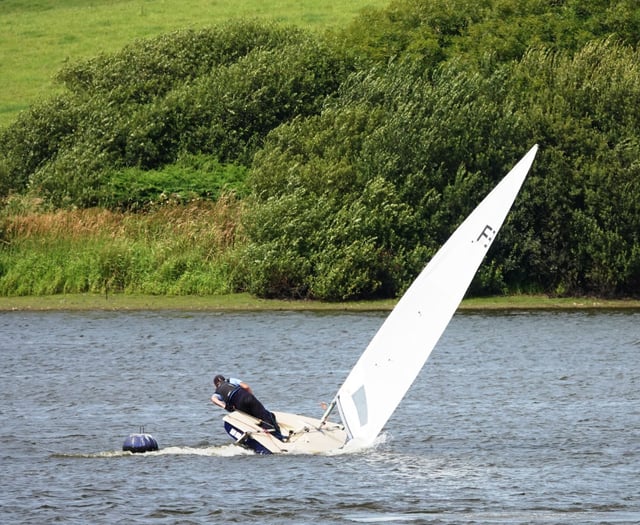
38 37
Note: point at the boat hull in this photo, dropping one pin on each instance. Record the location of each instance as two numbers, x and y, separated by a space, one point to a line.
305 435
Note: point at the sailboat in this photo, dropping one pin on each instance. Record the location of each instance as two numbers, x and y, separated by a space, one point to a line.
402 345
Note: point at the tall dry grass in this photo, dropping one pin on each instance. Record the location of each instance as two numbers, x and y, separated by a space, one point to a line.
200 221
171 249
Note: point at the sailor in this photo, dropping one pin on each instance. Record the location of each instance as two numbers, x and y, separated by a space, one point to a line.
233 394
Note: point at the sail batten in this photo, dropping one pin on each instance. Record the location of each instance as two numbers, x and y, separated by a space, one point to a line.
402 345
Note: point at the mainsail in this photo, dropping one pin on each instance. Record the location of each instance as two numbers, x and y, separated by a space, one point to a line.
399 350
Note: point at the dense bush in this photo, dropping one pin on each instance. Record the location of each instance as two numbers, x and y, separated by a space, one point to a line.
33 140
363 192
433 31
582 213
192 177
149 68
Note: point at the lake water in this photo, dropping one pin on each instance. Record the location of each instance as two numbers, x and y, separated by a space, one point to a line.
516 418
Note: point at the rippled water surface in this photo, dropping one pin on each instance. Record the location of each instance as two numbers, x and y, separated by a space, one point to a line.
516 418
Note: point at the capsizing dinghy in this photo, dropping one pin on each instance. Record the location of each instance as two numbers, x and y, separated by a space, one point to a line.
401 346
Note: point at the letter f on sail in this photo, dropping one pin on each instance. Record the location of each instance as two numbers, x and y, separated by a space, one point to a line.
488 233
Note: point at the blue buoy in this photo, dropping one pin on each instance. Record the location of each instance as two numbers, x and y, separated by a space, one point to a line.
138 443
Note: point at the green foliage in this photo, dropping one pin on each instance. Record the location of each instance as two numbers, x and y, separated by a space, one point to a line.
192 177
107 267
354 170
172 249
36 137
363 192
230 111
149 68
583 207
431 32
433 145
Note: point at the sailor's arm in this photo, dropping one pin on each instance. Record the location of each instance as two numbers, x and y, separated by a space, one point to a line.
217 401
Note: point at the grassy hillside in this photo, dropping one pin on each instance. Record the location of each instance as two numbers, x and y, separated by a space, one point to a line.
38 37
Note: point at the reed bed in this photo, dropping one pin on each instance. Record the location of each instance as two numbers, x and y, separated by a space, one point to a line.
171 249
216 221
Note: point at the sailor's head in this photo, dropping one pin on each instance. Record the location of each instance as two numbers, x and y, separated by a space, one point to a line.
218 379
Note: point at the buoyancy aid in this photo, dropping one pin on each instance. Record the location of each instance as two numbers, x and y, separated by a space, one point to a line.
226 391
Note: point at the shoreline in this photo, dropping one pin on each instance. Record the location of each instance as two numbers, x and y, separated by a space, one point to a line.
246 302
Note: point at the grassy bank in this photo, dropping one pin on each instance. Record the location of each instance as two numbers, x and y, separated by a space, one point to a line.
37 39
245 302
171 257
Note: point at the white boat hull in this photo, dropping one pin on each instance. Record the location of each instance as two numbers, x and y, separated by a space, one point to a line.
305 435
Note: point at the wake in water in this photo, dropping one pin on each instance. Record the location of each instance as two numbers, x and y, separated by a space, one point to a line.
352 447
215 451
222 451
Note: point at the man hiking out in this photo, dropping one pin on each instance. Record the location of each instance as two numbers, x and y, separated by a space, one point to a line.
233 394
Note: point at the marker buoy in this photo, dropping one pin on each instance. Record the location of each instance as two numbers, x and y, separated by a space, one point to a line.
141 442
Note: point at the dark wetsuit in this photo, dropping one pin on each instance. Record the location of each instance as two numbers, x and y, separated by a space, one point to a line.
237 398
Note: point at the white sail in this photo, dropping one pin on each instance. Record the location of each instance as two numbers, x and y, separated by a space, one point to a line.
399 350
